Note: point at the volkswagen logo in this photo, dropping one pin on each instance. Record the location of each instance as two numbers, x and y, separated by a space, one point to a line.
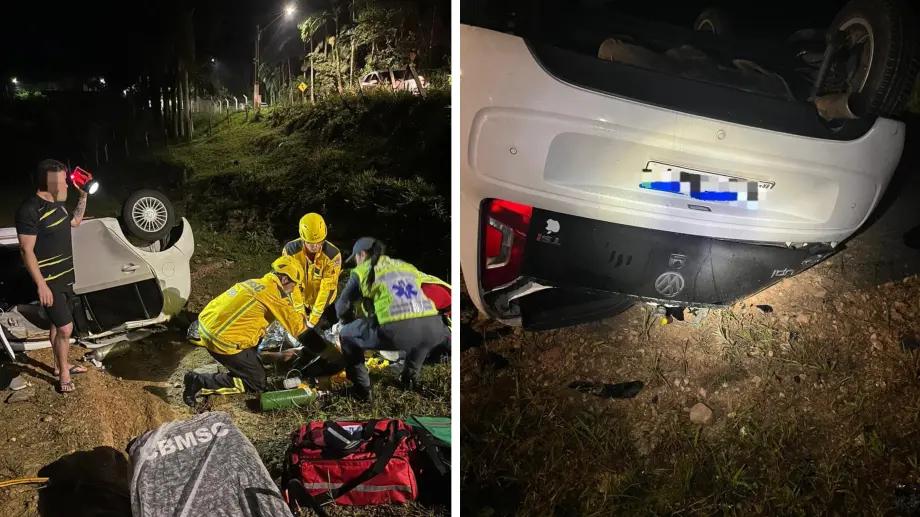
669 284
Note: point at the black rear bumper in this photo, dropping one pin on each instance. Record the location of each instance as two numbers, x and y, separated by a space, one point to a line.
599 265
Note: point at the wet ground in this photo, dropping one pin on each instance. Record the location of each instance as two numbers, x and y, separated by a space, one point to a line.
155 358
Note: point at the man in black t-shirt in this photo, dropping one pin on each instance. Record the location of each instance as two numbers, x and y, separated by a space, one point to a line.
43 227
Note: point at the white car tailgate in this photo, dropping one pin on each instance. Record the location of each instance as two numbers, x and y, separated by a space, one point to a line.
531 138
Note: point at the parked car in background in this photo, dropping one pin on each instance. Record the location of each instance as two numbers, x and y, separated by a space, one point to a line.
402 80
609 159
124 290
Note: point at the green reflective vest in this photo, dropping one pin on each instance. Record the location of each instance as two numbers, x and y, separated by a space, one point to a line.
396 291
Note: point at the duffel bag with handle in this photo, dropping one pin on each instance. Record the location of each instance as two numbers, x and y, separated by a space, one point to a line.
351 463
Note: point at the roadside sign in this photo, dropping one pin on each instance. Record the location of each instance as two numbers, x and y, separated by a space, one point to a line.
302 87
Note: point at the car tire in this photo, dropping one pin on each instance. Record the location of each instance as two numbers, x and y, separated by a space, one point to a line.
148 215
894 57
716 21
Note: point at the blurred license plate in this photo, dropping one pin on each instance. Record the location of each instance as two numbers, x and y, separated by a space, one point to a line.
704 186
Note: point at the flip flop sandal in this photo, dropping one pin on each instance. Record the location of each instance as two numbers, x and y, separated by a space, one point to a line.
74 370
66 387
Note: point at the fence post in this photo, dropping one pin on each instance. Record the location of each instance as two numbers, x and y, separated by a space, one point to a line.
105 147
147 139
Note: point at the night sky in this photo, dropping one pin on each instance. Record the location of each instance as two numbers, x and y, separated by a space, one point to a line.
45 41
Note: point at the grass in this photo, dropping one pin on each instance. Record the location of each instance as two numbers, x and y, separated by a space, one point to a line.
222 259
372 164
809 418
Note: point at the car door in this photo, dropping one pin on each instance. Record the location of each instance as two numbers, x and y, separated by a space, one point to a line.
113 282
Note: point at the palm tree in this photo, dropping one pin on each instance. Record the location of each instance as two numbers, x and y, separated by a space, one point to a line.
271 77
308 29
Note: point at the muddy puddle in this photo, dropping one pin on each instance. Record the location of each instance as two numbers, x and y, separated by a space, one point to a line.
154 358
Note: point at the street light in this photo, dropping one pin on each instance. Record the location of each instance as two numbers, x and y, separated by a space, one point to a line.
288 12
15 81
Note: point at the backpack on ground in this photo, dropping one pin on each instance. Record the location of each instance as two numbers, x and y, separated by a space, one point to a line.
432 436
350 463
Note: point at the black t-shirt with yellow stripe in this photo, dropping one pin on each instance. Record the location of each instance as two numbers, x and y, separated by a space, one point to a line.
50 223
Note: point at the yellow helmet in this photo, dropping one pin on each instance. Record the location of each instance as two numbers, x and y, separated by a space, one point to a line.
312 228
288 265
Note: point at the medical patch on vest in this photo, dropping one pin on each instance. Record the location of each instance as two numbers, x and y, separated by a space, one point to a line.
405 290
405 294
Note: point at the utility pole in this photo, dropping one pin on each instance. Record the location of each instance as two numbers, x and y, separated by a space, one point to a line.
256 98
255 81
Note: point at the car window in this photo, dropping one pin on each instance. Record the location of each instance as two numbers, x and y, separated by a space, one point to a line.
384 76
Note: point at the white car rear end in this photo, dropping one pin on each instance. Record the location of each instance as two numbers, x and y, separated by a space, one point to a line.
532 138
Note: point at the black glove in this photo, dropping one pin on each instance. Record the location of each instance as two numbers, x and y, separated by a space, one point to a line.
312 340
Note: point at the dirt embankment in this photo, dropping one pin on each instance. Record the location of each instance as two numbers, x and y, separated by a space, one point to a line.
104 411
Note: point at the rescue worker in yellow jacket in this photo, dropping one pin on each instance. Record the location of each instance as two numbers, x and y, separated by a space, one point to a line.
232 324
322 264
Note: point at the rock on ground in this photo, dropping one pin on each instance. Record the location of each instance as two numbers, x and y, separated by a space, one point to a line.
700 414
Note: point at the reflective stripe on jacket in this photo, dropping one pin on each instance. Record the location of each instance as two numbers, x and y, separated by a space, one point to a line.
237 319
321 280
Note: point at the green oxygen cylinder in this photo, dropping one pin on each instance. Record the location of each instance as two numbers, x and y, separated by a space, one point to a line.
286 399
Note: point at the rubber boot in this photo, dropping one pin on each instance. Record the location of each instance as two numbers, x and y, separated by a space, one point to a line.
362 394
193 385
408 383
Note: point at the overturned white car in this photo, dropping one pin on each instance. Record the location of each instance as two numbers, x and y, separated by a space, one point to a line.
610 157
123 291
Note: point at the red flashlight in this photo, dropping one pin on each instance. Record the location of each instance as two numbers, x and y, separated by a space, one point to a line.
83 180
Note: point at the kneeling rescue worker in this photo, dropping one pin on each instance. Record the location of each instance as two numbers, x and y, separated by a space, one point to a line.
322 264
403 318
232 324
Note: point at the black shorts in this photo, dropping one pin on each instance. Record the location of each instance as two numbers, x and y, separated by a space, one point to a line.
61 311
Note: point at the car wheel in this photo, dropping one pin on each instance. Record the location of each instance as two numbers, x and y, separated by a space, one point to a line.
716 21
148 215
879 61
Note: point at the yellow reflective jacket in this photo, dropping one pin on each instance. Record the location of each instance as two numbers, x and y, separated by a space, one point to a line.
237 319
321 282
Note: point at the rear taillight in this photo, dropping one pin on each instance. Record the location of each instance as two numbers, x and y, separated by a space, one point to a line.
504 235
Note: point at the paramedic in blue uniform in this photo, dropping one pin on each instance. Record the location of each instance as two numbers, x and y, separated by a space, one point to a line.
43 226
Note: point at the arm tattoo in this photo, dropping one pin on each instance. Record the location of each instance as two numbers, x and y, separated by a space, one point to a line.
80 209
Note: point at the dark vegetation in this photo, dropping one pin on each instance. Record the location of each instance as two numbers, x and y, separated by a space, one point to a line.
371 164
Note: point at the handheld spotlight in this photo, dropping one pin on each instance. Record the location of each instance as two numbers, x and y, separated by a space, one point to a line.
83 180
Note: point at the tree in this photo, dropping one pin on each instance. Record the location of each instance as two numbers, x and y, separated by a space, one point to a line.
271 75
308 29
187 63
369 36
